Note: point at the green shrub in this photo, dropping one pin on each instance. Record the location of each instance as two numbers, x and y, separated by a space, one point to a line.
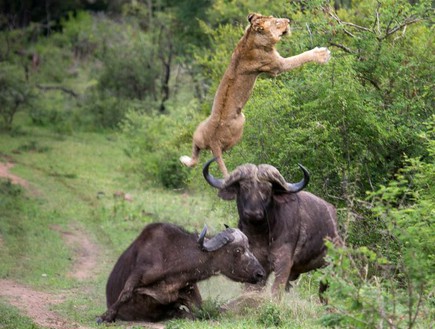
271 315
210 310
101 110
171 173
9 189
15 92
152 145
391 287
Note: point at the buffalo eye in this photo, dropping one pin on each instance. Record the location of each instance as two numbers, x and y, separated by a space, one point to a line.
238 251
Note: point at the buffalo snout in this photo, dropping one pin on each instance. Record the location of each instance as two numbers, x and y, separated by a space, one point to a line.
259 275
257 271
253 214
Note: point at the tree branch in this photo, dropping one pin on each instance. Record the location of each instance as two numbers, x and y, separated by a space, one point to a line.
339 21
343 47
407 22
61 88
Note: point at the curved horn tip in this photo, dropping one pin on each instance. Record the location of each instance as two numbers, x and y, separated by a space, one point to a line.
306 173
202 235
218 241
215 182
296 187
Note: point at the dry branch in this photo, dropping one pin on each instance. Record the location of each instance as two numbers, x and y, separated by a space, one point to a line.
61 88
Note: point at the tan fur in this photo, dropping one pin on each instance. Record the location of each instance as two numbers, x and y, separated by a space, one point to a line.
254 54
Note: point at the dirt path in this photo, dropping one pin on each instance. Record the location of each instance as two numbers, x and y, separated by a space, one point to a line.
85 251
5 168
37 304
4 172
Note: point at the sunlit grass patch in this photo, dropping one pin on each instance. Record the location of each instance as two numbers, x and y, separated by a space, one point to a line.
11 318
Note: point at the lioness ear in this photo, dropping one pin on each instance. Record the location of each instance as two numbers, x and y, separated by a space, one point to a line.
251 16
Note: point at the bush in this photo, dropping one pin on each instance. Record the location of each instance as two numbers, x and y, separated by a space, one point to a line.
349 121
391 287
210 310
270 315
152 144
102 110
171 173
15 92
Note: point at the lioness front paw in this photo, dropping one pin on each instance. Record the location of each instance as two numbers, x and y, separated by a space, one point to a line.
322 55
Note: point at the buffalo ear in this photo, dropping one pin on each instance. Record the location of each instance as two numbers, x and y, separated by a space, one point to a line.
278 189
228 193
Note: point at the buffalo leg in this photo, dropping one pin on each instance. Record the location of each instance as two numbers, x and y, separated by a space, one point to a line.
282 266
191 299
291 278
323 286
125 296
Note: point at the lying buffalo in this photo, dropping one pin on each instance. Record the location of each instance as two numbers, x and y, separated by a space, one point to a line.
286 227
157 275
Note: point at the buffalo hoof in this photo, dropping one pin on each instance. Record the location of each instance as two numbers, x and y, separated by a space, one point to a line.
105 318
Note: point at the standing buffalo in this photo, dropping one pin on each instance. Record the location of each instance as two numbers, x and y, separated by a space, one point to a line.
157 274
286 228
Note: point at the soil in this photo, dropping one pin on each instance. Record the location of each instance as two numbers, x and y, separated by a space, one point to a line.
86 252
37 304
4 172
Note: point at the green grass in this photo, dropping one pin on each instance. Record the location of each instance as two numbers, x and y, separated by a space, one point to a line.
10 318
72 181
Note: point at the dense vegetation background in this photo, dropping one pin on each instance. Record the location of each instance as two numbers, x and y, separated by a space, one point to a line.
363 124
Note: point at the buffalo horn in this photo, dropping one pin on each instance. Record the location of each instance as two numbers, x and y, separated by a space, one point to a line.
215 182
296 187
247 170
202 236
218 241
271 174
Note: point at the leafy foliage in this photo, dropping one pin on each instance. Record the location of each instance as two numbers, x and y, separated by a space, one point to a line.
156 155
363 122
15 92
349 121
391 286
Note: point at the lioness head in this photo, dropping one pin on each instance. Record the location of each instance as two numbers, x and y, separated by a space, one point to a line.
271 29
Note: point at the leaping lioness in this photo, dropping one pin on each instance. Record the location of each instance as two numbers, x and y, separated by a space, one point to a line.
254 54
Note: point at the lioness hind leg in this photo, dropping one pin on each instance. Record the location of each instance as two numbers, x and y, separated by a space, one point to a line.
217 153
191 161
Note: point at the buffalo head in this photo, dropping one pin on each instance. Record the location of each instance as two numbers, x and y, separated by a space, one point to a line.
232 255
253 187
